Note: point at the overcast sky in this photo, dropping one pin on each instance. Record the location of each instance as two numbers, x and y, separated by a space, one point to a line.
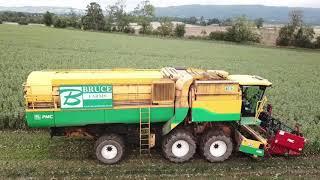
81 4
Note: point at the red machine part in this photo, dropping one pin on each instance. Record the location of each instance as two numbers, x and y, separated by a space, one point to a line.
284 143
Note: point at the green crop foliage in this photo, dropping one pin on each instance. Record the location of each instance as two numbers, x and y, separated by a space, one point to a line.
33 155
295 73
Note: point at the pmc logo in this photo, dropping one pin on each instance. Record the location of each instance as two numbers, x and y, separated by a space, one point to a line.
71 97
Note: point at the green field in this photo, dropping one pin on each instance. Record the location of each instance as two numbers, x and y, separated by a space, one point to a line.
34 154
295 73
295 95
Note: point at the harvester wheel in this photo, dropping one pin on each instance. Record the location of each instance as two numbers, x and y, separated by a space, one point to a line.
216 148
109 149
179 146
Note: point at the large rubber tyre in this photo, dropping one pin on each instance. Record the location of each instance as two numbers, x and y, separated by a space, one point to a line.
109 149
216 147
179 146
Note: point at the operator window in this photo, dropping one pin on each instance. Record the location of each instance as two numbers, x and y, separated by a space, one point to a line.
250 98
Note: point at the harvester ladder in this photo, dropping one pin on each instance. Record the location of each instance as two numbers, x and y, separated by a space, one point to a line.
145 130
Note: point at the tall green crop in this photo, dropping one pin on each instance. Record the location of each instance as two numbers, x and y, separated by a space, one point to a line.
295 73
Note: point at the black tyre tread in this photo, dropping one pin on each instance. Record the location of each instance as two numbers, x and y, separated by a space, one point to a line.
104 137
107 137
212 136
171 138
206 135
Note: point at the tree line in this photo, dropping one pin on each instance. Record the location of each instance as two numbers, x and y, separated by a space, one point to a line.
297 33
202 21
20 17
116 19
113 19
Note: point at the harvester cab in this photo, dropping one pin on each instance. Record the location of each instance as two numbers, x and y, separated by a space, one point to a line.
270 134
252 100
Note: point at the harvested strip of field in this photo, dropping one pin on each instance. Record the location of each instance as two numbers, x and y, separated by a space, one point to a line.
34 154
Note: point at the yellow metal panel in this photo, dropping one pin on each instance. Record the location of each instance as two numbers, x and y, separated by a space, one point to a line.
251 143
40 78
42 82
39 83
123 97
219 106
125 89
217 87
111 77
40 90
93 77
218 97
250 80
57 82
39 98
254 134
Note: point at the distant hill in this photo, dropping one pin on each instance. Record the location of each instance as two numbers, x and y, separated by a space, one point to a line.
43 9
269 13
